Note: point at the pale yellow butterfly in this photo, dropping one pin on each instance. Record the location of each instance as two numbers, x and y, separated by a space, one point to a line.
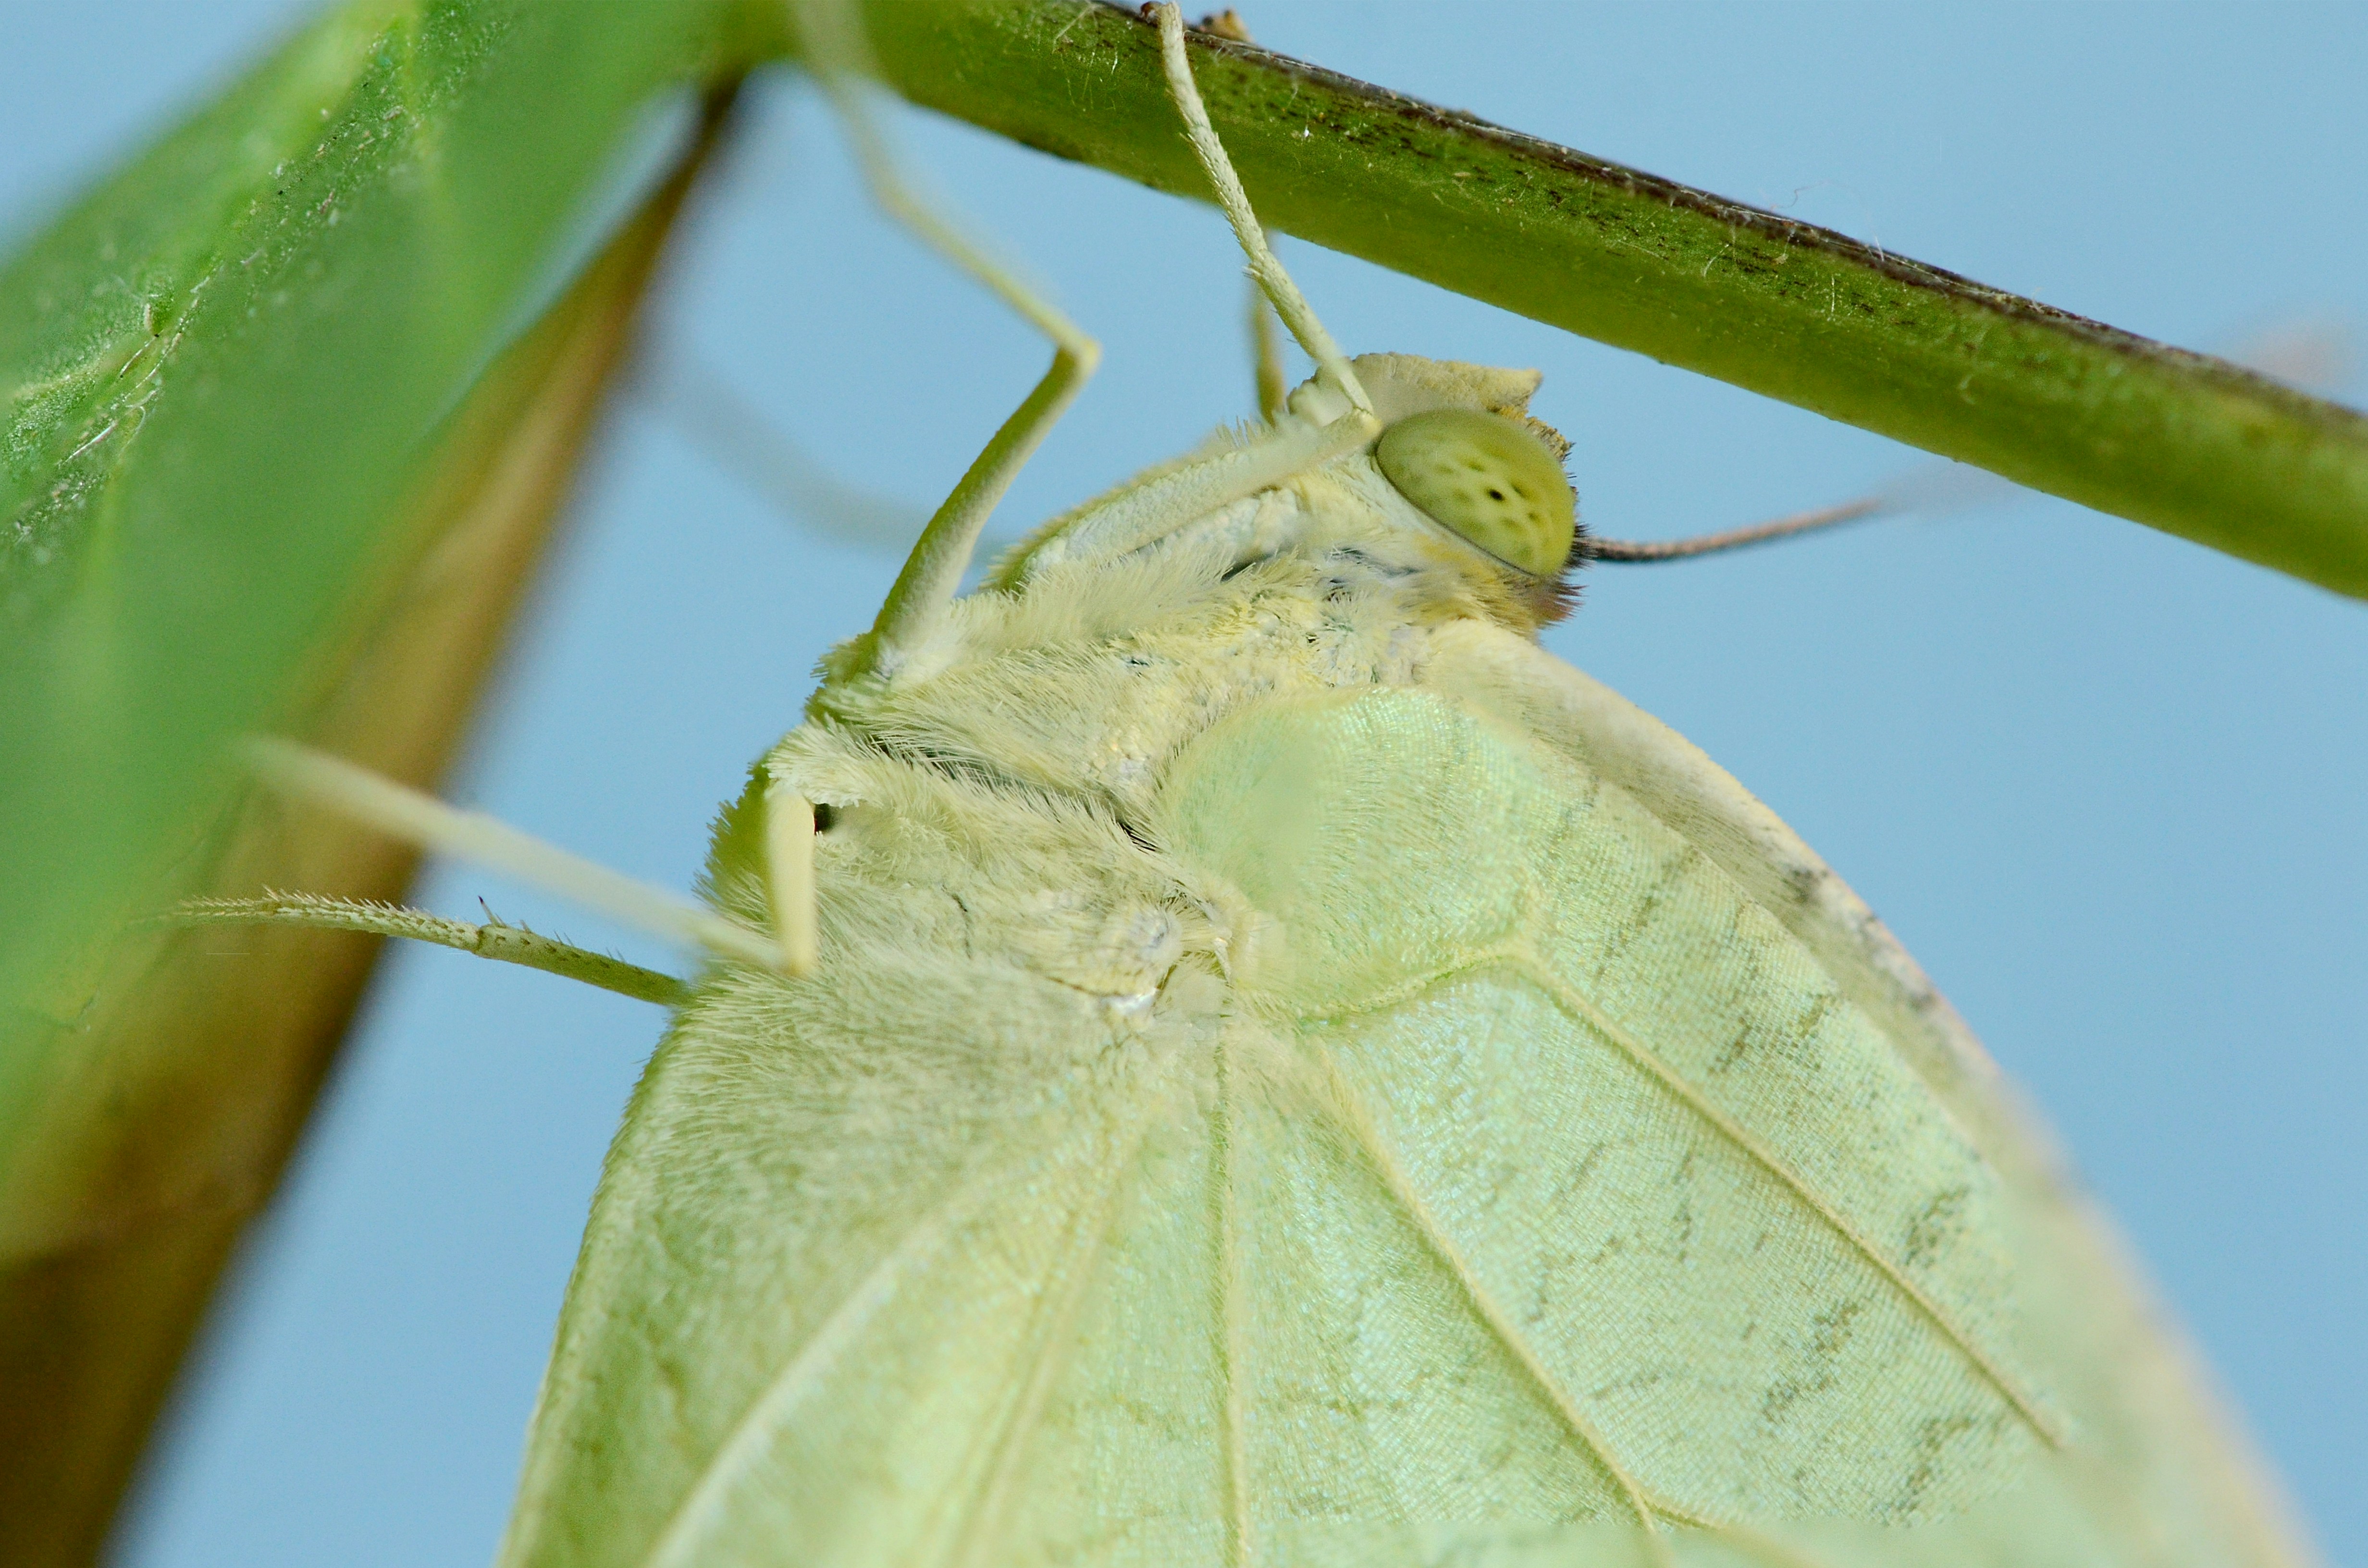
1397 1102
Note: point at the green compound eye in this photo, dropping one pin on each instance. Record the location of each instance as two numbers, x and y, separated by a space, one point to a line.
1487 479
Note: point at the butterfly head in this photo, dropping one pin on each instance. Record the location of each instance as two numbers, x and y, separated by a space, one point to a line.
1458 445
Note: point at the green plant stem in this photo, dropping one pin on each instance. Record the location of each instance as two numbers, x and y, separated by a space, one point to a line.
2181 441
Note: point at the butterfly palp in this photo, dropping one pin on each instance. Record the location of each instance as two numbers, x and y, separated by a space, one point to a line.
1486 479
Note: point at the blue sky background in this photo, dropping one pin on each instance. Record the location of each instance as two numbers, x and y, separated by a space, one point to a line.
2107 785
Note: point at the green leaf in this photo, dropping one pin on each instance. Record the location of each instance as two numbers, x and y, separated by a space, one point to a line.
229 366
166 1111
163 593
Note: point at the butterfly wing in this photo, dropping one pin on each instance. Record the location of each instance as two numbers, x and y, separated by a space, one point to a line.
1562 1168
2150 1465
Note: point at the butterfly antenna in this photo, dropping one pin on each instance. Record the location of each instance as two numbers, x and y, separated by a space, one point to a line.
1331 364
1639 549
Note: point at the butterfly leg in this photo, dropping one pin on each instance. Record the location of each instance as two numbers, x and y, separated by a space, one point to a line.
732 432
790 878
406 814
1267 270
1336 420
1266 357
839 57
510 943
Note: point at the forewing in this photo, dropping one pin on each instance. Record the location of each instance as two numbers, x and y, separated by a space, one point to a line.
2152 1469
1717 1226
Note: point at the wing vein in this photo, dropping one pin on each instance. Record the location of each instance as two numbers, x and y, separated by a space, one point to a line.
1229 1287
1349 1107
1047 1353
693 1517
1593 1017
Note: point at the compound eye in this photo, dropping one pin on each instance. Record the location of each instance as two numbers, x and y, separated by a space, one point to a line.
1487 479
